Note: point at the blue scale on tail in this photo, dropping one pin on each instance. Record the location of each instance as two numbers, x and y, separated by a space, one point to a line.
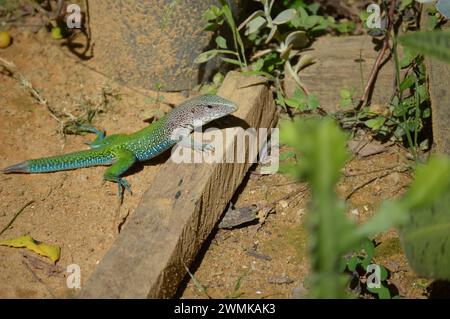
64 162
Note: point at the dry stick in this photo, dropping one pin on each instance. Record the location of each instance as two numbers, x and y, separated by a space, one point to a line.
377 64
16 215
371 172
12 68
37 278
357 188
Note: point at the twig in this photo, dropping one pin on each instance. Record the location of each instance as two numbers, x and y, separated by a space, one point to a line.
371 172
36 277
16 215
197 283
378 61
12 68
357 188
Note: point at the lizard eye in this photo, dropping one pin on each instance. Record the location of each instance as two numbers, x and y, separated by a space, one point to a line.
209 106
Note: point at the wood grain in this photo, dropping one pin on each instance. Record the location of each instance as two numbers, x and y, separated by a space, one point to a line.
344 63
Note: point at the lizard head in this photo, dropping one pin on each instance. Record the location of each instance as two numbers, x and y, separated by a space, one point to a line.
203 109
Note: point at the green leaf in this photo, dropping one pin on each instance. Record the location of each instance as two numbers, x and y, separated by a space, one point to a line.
298 39
434 43
345 94
405 4
218 78
425 236
345 27
382 292
232 61
313 101
432 181
408 82
369 248
383 273
325 147
295 103
221 42
408 58
212 13
286 155
353 262
432 22
375 123
210 27
314 7
258 65
312 21
206 56
285 16
280 99
255 25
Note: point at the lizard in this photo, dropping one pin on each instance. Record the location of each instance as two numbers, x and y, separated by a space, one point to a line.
122 151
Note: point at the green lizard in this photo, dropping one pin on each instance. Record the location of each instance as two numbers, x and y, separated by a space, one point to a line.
121 151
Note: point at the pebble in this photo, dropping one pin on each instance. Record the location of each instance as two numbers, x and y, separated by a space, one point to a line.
284 203
355 212
280 280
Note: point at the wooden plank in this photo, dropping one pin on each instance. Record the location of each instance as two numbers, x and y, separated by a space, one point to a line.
438 74
438 77
337 67
178 211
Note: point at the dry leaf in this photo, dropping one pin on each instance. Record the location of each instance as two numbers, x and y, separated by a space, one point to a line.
51 251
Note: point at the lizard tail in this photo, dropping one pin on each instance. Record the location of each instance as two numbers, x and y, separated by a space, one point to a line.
22 167
63 162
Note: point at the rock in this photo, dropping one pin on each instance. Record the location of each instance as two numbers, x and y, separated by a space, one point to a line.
150 43
280 280
338 68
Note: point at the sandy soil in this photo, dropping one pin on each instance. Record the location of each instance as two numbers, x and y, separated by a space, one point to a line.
76 211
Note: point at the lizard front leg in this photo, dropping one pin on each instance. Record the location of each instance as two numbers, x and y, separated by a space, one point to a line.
124 159
184 138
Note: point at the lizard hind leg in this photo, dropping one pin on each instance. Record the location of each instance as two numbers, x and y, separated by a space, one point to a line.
106 141
100 135
124 160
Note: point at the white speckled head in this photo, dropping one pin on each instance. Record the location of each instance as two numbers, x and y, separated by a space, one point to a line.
201 110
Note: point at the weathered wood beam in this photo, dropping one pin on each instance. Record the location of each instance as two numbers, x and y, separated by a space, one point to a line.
178 211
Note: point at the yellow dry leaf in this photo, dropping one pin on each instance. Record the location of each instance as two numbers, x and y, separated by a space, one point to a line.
51 251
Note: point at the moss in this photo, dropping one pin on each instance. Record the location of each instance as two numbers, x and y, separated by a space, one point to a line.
389 247
294 237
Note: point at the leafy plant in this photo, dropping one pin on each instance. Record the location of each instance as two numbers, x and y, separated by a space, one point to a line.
215 17
273 41
425 236
321 147
346 98
433 43
409 110
407 116
302 102
358 265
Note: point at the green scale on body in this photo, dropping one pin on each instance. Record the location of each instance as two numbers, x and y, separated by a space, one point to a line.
121 151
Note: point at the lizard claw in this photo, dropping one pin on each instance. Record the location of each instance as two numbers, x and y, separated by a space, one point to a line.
123 184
